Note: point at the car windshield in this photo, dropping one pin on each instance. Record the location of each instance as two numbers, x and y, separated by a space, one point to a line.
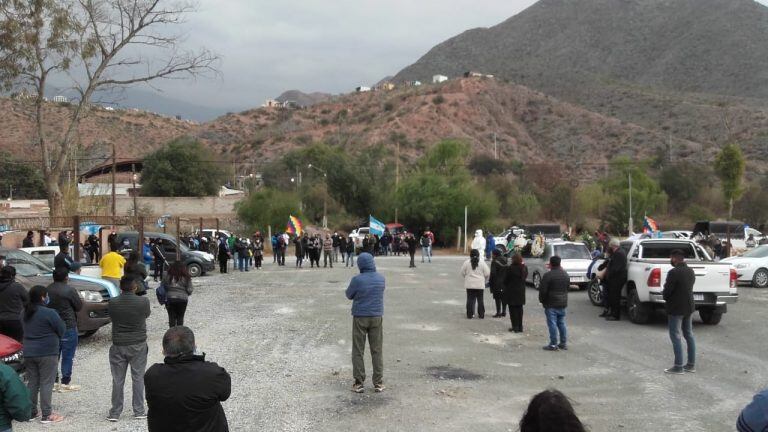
572 251
26 265
760 252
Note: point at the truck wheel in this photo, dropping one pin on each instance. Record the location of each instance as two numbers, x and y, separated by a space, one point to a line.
594 292
536 281
194 270
710 316
760 279
639 312
89 333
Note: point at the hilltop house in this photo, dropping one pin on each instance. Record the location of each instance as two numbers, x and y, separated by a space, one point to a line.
473 74
412 83
272 103
387 86
60 99
437 79
362 89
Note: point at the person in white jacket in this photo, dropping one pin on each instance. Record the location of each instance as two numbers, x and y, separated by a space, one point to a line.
478 243
476 274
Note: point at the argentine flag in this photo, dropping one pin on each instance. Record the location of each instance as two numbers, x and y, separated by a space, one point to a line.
376 226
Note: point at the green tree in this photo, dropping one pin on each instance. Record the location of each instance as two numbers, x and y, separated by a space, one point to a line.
729 167
181 168
436 193
681 183
647 196
268 207
20 179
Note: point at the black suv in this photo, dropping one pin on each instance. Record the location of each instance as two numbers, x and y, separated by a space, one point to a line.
198 263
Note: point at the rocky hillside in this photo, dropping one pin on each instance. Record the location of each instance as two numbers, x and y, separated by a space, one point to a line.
304 99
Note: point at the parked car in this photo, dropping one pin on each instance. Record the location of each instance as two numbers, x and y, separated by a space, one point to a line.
198 262
648 265
95 293
358 235
575 259
12 353
738 232
47 254
503 238
211 233
752 267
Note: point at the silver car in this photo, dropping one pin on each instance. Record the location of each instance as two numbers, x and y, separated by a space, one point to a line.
575 260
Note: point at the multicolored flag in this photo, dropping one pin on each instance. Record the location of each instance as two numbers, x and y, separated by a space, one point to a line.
650 225
294 226
376 226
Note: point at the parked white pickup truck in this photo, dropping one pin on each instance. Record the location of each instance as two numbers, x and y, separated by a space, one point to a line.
648 265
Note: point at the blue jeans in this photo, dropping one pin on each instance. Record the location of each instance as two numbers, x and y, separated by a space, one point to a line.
425 253
350 259
67 353
556 323
242 262
684 324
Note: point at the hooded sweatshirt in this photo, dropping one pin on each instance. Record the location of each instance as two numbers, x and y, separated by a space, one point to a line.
366 290
13 297
479 241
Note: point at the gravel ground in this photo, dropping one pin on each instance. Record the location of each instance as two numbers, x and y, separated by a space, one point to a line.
284 336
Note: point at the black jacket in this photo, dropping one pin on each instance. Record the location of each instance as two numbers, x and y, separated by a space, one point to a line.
678 290
184 394
66 301
514 285
497 280
129 314
28 242
553 290
616 275
13 298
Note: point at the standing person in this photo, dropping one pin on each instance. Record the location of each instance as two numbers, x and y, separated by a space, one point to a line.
478 243
136 270
431 236
159 258
475 274
67 302
299 251
343 248
274 248
224 253
129 314
94 248
242 254
366 291
425 243
13 298
327 251
282 244
550 411
185 392
497 281
64 239
14 399
43 332
366 243
553 295
678 295
336 246
146 256
410 240
258 250
178 288
385 241
29 240
112 265
615 279
350 262
490 245
112 241
62 259
317 247
514 292
232 251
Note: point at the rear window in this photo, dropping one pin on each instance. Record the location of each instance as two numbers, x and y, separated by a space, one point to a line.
572 251
664 250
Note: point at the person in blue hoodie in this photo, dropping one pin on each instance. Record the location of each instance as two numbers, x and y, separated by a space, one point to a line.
490 245
754 417
366 291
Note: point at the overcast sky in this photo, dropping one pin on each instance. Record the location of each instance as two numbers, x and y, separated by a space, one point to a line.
269 46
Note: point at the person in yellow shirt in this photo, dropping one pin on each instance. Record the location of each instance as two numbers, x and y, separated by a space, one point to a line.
112 266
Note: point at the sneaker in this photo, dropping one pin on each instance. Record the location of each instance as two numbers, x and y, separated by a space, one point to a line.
358 388
689 368
675 370
563 347
53 418
65 388
56 387
140 416
112 419
550 348
378 388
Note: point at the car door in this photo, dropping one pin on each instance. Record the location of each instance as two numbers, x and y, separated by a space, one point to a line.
169 249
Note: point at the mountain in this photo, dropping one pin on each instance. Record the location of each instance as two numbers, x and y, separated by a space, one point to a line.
700 46
304 99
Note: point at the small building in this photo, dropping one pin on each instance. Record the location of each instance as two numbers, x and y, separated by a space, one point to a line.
272 103
387 86
473 74
412 83
289 104
362 89
437 79
60 99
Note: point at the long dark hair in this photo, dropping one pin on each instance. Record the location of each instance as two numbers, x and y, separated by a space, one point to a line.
133 257
178 272
474 258
550 411
36 296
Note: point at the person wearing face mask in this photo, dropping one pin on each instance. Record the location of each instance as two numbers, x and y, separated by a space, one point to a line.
678 295
13 297
43 331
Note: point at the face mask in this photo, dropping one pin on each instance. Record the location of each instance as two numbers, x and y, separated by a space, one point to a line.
47 300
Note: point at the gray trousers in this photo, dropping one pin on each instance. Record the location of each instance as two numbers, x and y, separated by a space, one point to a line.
41 374
371 328
119 359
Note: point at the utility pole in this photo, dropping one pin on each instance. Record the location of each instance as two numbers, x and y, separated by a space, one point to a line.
133 181
114 194
495 147
631 224
397 174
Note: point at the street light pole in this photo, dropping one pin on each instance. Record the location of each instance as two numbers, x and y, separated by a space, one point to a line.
133 182
325 195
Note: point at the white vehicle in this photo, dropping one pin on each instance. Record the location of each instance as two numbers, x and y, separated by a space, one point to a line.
501 239
648 265
211 233
575 259
752 267
47 254
358 235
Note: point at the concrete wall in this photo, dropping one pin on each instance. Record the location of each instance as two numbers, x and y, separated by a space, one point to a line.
183 207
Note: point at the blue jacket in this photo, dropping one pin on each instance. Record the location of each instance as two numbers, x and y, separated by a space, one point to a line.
42 333
490 243
147 252
366 290
754 418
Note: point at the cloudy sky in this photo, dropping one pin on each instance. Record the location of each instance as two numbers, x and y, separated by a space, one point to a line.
332 46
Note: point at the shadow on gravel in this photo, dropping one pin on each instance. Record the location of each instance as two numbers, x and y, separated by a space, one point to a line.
452 374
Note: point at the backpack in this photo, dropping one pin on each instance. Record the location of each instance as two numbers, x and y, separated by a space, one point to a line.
161 294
